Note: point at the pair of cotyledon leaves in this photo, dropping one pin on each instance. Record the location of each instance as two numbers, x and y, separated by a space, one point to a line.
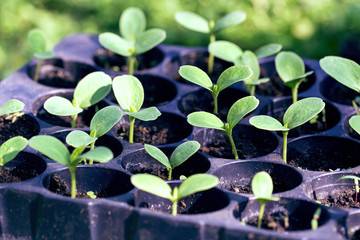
38 43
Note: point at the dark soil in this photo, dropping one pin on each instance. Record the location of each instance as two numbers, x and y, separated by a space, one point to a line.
246 188
337 92
153 169
16 174
343 199
112 61
57 77
25 126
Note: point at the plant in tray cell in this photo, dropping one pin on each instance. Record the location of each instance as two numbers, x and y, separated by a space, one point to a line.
227 78
230 52
155 185
57 151
197 23
262 187
129 93
356 182
181 153
291 70
89 91
237 111
134 39
315 219
12 109
297 114
38 43
11 148
345 71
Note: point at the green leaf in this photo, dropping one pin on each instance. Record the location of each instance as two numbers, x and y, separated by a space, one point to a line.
92 89
148 40
152 184
257 82
225 50
197 183
146 114
193 22
302 111
289 66
206 120
229 20
343 70
262 187
44 55
348 177
240 108
355 123
116 44
183 152
249 59
294 81
268 50
104 120
51 147
11 106
37 40
99 154
158 155
232 75
78 138
129 92
196 76
11 148
267 123
60 106
132 23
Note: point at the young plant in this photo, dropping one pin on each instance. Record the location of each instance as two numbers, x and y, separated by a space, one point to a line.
315 219
197 23
182 153
91 194
38 43
297 114
345 71
11 148
134 40
230 52
262 188
13 108
355 123
356 182
89 91
155 185
129 93
237 111
291 70
228 77
102 122
54 149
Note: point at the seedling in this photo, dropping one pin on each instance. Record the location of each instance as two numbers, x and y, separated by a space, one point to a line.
11 148
89 91
315 219
13 108
262 188
291 70
57 151
297 114
237 111
134 40
355 123
129 93
102 122
230 52
155 185
181 153
197 23
228 77
345 71
356 182
91 194
38 43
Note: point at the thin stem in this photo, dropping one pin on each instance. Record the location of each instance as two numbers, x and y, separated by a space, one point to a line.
261 214
131 130
170 173
73 181
229 134
74 117
211 56
215 95
92 146
295 93
285 135
131 65
38 65
174 208
252 90
356 107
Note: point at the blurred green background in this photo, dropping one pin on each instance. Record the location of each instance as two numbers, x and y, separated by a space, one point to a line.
312 28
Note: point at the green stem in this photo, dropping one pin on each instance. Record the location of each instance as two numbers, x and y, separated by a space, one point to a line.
170 174
295 93
356 107
261 214
92 146
74 117
215 95
38 65
73 181
174 208
229 134
131 130
211 56
285 135
131 65
252 90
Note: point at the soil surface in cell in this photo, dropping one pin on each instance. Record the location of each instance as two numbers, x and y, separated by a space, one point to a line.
246 188
344 199
57 77
24 126
16 174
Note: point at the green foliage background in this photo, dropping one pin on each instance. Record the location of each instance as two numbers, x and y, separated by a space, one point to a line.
312 28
